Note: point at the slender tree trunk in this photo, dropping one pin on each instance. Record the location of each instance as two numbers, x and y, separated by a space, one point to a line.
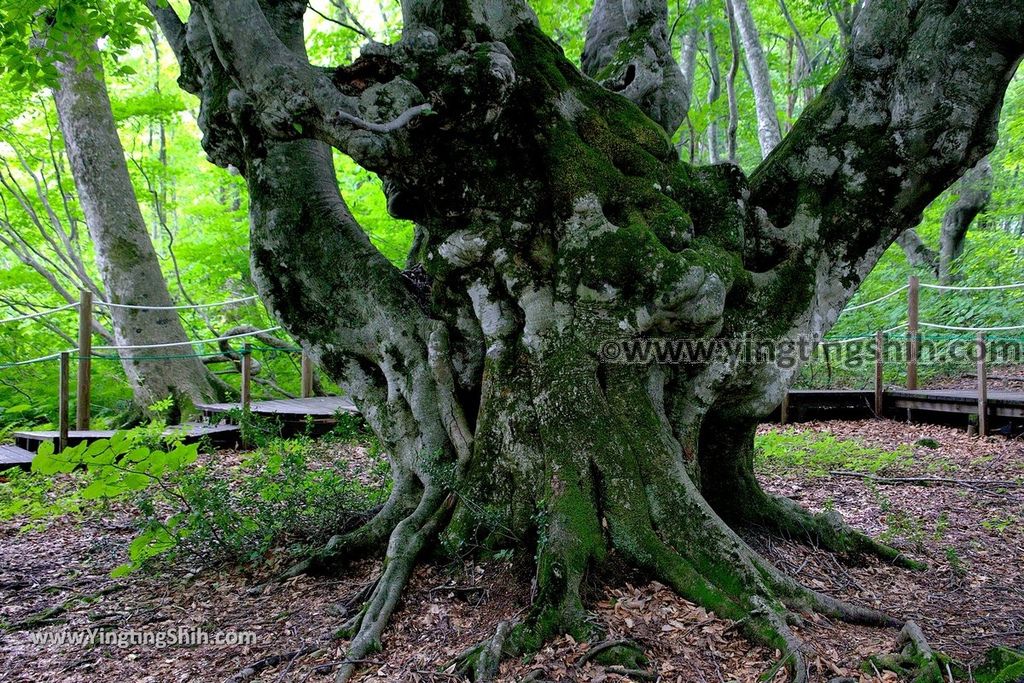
124 253
975 194
688 49
730 82
714 92
768 132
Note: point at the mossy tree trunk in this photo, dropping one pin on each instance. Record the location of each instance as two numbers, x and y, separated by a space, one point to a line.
555 215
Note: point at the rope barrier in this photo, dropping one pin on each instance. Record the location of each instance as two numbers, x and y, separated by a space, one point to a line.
52 356
175 356
840 341
878 300
989 288
185 343
972 329
214 354
187 307
40 314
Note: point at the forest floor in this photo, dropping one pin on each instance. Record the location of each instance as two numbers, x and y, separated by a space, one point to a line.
970 598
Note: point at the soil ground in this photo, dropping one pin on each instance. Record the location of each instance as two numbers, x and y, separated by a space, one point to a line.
970 598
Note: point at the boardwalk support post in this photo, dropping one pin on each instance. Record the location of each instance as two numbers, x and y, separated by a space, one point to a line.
83 383
307 375
246 377
63 399
879 386
913 339
982 387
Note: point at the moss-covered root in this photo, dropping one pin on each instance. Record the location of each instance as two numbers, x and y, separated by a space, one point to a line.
480 662
774 627
916 661
827 530
407 541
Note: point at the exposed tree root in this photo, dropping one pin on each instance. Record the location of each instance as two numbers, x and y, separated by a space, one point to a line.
406 543
374 534
916 660
732 489
610 484
827 530
252 670
480 662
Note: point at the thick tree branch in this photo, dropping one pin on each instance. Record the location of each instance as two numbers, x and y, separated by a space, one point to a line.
882 141
628 51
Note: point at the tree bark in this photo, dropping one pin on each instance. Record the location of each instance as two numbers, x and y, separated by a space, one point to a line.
769 133
557 219
124 253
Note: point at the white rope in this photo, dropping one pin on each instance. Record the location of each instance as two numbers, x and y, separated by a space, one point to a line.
1016 285
52 356
840 342
185 343
40 314
176 308
972 329
878 300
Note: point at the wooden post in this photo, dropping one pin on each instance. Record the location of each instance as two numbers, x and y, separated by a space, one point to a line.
913 300
307 375
879 386
982 387
784 409
63 399
246 376
83 383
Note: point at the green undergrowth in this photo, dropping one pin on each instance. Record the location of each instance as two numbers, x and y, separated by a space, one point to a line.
281 498
792 451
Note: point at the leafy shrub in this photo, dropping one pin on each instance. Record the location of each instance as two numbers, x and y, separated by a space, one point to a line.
276 497
37 498
206 514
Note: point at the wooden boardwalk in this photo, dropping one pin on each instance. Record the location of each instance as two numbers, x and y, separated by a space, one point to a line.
319 408
27 443
922 405
14 456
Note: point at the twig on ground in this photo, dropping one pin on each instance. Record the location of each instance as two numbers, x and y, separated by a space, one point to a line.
259 665
930 481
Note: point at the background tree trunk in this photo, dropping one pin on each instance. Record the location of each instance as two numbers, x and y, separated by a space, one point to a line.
124 253
975 193
769 133
919 254
730 82
714 92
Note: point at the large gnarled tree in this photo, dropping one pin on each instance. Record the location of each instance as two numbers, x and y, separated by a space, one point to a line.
556 214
